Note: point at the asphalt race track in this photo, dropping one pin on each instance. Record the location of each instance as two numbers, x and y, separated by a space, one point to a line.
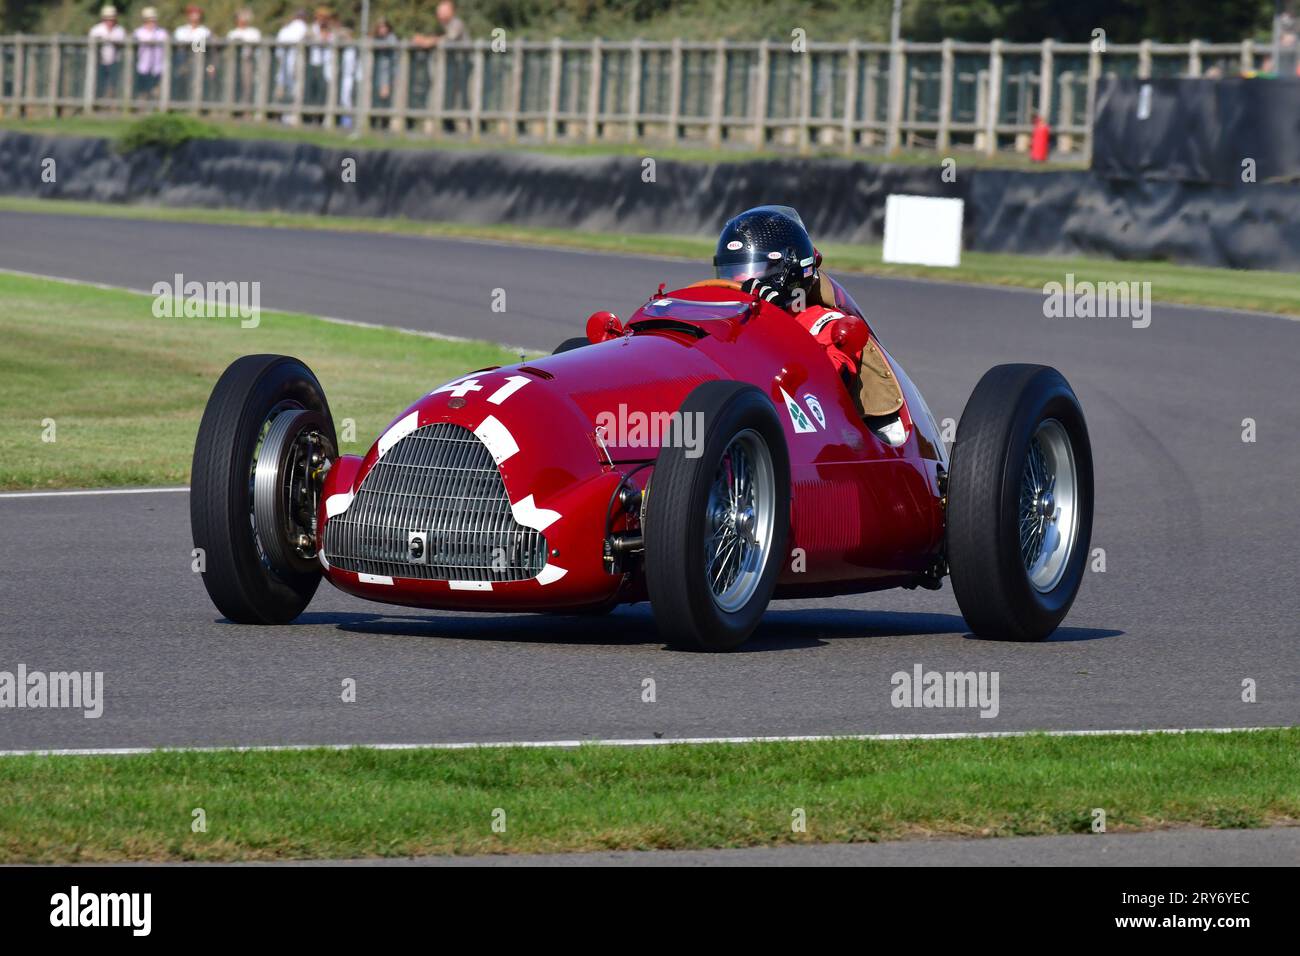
1198 527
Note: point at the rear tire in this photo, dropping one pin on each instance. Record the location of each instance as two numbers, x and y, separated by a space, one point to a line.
1020 497
568 345
242 581
712 557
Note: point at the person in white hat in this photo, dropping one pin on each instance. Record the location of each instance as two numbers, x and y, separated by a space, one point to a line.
150 48
191 38
109 34
246 36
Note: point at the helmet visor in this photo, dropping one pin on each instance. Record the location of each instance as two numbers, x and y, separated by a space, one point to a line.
744 266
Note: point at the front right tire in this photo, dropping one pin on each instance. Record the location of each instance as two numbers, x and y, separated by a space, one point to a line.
252 581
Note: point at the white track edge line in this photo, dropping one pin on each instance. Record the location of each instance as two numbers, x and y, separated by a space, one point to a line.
93 491
630 742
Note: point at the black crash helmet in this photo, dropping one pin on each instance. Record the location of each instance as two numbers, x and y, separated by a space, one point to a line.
766 242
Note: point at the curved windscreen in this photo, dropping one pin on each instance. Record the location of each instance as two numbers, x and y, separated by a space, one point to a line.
690 310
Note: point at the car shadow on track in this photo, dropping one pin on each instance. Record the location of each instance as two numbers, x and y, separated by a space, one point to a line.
1062 635
780 630
632 626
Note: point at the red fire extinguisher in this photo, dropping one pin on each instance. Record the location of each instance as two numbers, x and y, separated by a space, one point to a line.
1040 141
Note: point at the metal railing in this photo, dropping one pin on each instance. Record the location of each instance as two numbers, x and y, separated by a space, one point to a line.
830 96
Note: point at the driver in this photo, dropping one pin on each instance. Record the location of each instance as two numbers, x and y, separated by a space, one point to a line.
768 251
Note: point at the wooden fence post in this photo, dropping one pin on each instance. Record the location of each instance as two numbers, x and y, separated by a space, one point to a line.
332 62
92 67
762 79
994 98
478 66
1065 140
803 135
198 69
365 96
553 91
718 94
262 94
594 79
56 67
401 89
944 140
634 94
1094 75
20 75
851 69
1045 73
897 86
675 90
299 82
165 82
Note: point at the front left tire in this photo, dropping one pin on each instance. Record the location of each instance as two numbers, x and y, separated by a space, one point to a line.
717 519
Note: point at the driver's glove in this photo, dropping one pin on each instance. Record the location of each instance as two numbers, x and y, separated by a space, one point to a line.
768 293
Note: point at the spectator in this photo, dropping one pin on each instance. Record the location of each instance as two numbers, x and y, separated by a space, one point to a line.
290 35
451 28
191 38
385 42
245 36
1288 61
110 35
193 31
348 68
320 69
151 45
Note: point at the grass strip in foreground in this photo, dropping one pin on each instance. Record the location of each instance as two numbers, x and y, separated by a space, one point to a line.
360 802
1252 290
125 390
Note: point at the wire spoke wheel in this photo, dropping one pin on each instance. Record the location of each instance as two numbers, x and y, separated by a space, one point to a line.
738 521
1049 512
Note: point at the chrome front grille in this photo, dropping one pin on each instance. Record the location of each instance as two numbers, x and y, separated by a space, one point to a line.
439 481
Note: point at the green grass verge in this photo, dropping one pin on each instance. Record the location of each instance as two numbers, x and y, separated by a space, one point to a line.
369 803
1277 292
115 127
126 389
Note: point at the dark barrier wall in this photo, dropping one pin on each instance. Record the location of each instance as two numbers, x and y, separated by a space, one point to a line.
1054 213
1198 130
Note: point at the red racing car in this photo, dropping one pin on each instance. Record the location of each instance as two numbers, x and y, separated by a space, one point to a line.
705 456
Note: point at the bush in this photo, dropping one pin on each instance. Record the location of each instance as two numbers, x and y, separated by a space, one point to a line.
164 131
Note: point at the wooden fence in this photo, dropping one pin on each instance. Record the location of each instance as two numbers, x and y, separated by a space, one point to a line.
847 97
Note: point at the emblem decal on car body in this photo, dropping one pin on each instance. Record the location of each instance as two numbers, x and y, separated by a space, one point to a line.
798 417
815 407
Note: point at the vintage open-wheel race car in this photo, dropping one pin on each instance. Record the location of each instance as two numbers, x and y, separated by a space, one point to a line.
705 456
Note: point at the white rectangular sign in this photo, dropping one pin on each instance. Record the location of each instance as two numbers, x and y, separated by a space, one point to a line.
923 230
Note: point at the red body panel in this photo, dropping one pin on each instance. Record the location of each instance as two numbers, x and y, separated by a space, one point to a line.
864 514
